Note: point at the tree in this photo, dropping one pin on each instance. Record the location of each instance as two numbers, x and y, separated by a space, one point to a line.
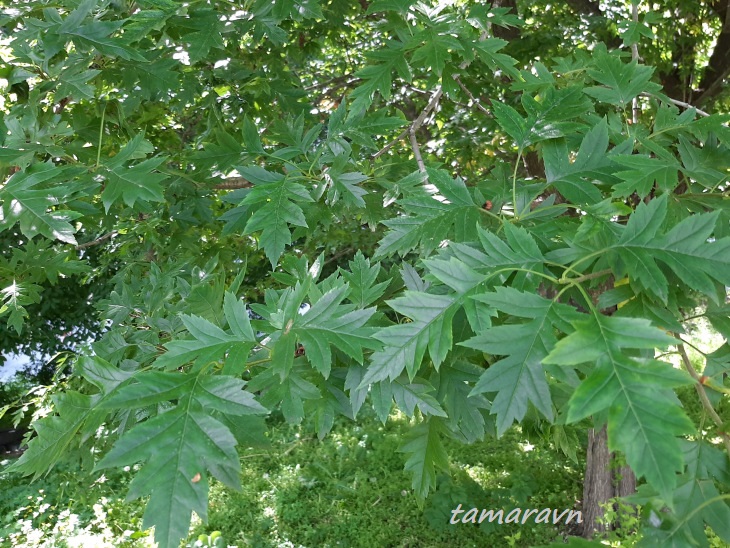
413 210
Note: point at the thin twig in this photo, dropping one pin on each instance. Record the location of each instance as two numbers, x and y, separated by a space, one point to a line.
700 387
680 104
635 109
471 97
98 241
339 255
417 123
337 80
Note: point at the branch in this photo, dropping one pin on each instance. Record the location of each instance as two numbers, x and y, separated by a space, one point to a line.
635 108
99 240
417 123
679 104
718 68
700 387
471 97
417 152
233 183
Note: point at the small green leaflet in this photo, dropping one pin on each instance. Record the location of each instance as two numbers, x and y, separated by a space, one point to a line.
96 34
406 343
74 83
426 455
378 77
361 279
419 393
488 52
519 377
223 154
289 393
13 300
435 52
450 213
622 81
643 172
706 464
200 42
684 249
708 165
644 419
21 202
133 183
328 323
179 447
210 342
575 180
342 186
465 418
277 207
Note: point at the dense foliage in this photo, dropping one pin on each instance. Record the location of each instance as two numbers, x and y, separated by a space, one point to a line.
306 206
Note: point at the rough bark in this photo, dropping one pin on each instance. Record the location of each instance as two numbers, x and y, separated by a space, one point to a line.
598 484
603 481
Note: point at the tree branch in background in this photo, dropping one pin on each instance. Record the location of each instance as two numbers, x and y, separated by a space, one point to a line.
718 68
233 183
99 240
700 387
680 104
417 123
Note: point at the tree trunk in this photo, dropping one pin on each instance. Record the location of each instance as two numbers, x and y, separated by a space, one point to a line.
598 487
602 482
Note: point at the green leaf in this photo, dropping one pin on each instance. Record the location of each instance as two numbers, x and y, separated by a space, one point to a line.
134 183
419 393
512 123
644 173
622 81
33 208
707 165
211 343
435 52
426 455
405 344
55 435
97 35
361 279
201 42
378 77
452 213
289 393
684 249
644 420
77 417
465 418
519 377
277 207
179 447
327 324
15 297
223 154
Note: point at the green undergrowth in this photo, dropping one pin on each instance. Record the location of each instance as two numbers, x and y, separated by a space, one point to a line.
348 489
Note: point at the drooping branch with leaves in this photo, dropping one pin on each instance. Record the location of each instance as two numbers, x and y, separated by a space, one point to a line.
315 206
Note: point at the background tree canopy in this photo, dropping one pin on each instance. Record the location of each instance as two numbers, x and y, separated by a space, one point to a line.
481 214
